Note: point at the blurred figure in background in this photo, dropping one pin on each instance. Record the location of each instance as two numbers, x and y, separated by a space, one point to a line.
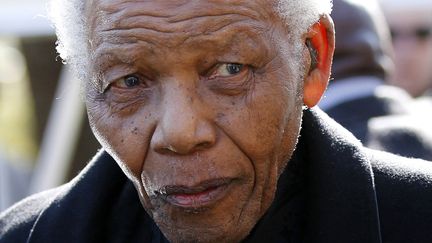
39 107
381 116
17 140
411 27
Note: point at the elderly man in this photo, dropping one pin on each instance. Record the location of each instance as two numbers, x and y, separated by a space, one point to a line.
198 106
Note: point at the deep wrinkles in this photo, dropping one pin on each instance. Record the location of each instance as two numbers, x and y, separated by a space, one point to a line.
111 42
137 32
170 23
145 26
172 16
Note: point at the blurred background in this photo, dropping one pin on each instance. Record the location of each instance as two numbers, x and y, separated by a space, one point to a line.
44 136
45 139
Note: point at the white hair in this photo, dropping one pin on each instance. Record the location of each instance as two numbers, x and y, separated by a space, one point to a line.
70 24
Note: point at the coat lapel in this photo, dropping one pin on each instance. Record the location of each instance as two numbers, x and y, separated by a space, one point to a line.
342 204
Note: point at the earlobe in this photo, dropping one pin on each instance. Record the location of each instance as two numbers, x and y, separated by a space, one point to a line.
320 41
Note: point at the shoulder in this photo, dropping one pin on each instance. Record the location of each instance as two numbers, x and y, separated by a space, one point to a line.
17 221
404 196
407 135
391 170
98 204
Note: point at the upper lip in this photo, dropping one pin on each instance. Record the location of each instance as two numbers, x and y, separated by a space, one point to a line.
200 187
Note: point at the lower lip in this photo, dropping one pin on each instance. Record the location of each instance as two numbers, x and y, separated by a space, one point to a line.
196 200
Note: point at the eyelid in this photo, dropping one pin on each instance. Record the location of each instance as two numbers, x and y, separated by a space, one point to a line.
144 81
115 73
233 85
119 83
222 65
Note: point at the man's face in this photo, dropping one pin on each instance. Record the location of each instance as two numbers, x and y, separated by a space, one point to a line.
412 40
198 104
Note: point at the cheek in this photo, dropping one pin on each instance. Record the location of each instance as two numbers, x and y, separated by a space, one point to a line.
428 56
266 130
265 119
125 138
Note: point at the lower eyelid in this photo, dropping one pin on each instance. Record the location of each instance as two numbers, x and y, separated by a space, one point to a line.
129 97
239 82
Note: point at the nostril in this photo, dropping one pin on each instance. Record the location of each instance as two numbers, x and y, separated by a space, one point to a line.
203 145
168 150
183 149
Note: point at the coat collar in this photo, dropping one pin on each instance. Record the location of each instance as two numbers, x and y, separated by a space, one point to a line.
327 192
342 204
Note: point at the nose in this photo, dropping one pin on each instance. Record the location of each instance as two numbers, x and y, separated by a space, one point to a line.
183 127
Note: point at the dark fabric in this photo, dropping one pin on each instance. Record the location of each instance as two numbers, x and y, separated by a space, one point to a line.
355 114
404 198
333 190
100 205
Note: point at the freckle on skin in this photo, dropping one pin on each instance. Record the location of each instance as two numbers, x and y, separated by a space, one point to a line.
220 115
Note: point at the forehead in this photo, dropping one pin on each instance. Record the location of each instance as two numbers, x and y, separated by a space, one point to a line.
409 17
180 15
158 27
173 7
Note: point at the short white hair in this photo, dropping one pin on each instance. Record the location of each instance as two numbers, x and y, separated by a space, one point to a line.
69 22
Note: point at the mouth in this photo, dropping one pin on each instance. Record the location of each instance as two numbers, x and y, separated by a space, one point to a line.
193 197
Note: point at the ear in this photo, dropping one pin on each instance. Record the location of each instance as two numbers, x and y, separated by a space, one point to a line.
321 38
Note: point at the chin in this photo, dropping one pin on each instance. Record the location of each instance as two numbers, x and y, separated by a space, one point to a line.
233 235
206 224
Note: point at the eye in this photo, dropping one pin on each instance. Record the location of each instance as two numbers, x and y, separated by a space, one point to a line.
127 82
229 69
422 33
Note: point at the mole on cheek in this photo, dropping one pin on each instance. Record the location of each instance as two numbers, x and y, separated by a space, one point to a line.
135 131
220 115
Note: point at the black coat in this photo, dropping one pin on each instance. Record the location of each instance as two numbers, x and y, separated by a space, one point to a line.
333 190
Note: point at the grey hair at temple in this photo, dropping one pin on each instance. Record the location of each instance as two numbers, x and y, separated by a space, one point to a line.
69 21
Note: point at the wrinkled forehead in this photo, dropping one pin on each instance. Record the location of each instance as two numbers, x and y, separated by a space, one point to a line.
185 23
182 9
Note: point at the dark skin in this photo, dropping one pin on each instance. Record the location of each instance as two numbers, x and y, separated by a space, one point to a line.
198 104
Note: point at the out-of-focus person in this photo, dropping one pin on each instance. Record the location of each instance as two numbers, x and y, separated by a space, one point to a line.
411 27
17 138
39 106
383 117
